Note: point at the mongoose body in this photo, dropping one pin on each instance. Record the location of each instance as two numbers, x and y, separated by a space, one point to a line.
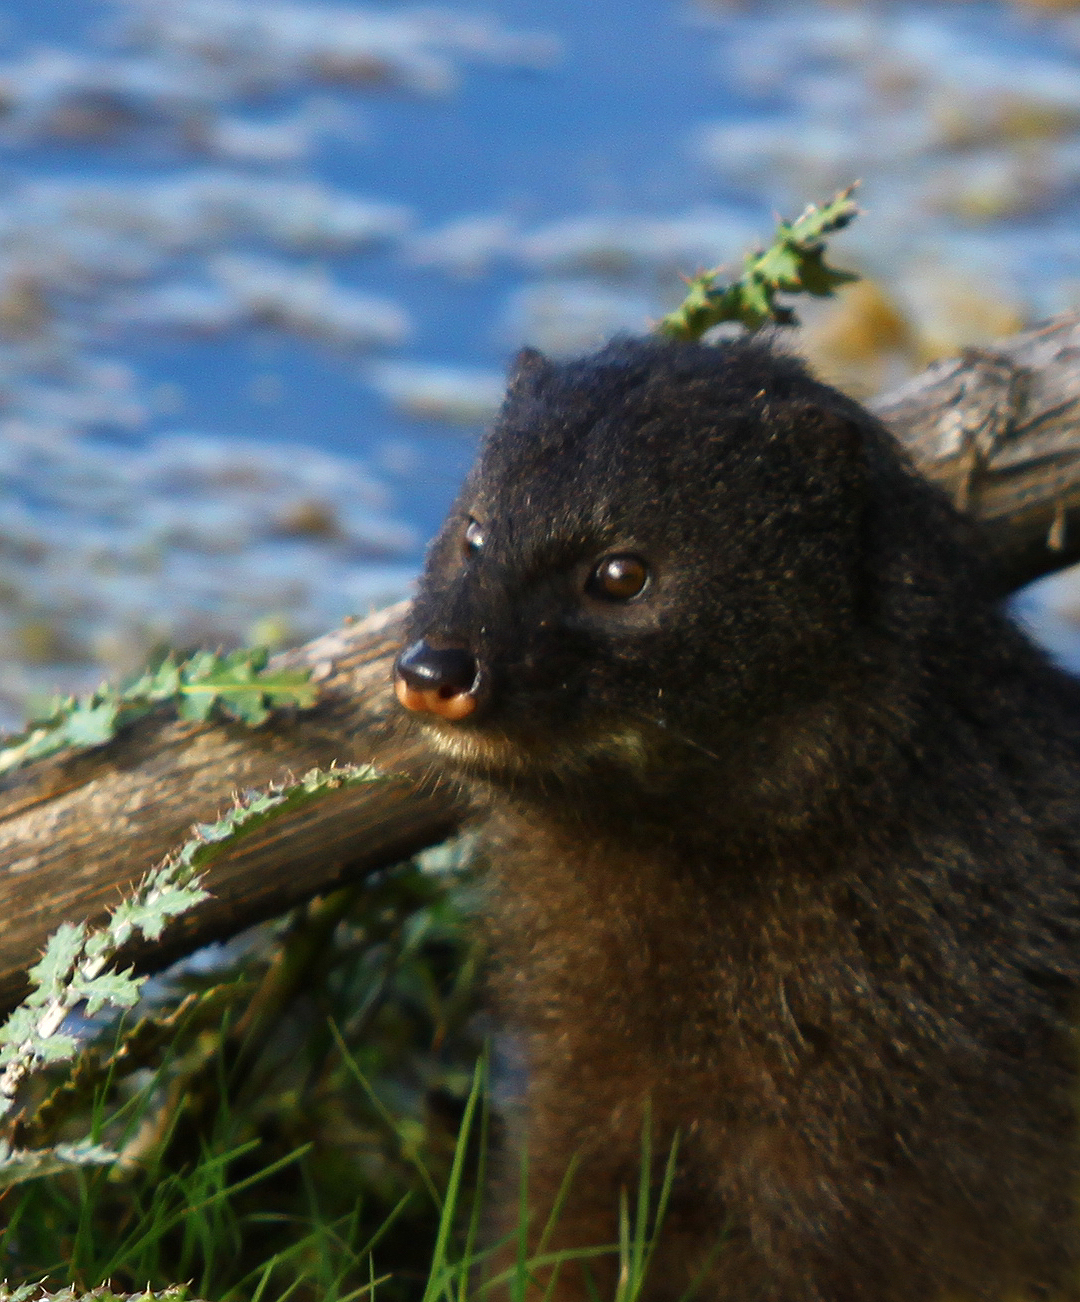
784 826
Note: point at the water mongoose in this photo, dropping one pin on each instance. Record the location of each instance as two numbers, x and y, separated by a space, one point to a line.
784 818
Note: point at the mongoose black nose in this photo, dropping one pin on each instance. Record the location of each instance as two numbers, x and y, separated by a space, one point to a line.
436 680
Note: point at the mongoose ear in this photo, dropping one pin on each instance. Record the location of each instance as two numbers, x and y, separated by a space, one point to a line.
529 372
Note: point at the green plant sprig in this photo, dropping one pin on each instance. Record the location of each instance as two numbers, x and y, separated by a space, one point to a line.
74 967
236 686
36 1293
794 263
18 1164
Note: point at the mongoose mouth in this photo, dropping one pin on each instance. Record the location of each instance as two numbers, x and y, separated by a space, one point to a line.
496 755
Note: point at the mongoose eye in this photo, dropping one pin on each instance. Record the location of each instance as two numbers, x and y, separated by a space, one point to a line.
473 538
618 578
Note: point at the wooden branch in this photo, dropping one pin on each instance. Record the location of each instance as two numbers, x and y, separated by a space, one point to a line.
76 833
999 429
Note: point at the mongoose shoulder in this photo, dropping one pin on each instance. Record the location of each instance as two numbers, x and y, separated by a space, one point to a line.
785 825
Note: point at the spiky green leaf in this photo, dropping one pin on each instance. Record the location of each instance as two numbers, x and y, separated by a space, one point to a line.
73 968
18 1165
115 988
236 686
794 263
19 1029
63 950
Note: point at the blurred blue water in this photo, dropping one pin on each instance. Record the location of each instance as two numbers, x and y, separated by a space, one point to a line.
669 132
602 127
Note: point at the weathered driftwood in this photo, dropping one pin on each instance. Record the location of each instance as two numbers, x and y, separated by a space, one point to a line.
999 429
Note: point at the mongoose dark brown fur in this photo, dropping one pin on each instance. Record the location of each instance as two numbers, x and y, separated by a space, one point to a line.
784 828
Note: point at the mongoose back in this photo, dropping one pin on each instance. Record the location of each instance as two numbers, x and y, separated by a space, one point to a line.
784 819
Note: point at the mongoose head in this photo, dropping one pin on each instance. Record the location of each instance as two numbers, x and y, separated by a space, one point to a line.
658 550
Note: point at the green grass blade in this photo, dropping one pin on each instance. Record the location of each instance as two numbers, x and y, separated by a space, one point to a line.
453 1189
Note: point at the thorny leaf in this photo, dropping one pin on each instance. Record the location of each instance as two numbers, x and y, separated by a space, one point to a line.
19 1029
237 685
19 1164
793 263
116 988
37 1293
91 724
71 970
136 1047
64 948
55 1048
